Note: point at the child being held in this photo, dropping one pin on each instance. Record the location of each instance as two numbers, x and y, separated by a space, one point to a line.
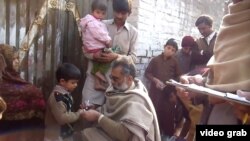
59 115
96 39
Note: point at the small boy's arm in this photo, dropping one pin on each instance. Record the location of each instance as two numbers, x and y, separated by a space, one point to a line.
62 116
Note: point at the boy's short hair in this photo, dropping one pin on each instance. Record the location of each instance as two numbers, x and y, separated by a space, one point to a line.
206 19
67 72
122 5
172 42
99 4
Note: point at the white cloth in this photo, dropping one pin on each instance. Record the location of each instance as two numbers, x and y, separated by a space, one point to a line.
210 37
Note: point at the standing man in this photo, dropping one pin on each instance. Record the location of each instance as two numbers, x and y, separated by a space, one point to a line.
205 43
124 38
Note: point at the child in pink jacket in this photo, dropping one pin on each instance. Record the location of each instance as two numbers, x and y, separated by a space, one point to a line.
95 39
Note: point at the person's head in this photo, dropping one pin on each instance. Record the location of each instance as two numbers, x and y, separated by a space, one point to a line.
3 107
187 43
122 74
122 9
170 48
204 24
99 9
67 76
9 57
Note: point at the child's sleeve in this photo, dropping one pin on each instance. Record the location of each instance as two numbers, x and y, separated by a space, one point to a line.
99 31
177 70
149 70
59 111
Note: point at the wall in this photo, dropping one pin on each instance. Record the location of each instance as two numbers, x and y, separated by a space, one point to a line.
159 20
58 39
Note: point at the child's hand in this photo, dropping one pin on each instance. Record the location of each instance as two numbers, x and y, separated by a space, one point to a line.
160 85
90 115
80 111
197 79
87 105
108 44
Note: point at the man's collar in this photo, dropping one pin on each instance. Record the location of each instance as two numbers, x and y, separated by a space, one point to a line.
210 37
126 25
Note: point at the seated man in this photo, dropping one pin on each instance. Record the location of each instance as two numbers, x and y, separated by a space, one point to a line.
127 110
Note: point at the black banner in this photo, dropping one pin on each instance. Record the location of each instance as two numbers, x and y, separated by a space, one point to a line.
223 132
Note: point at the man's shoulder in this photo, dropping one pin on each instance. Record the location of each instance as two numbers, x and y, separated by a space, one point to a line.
155 59
160 56
131 27
199 39
128 25
56 96
58 93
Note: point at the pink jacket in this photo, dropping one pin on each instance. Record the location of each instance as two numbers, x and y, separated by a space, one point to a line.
94 33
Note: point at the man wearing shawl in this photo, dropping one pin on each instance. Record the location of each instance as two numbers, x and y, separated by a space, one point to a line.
230 65
128 113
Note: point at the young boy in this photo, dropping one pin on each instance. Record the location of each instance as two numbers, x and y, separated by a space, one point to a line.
59 115
95 39
160 69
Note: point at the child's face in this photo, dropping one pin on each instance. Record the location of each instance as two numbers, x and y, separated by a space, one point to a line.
99 14
169 50
16 62
69 85
186 50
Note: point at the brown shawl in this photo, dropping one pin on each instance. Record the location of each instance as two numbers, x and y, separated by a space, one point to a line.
230 65
23 99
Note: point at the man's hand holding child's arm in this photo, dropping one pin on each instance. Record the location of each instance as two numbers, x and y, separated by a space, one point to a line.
91 115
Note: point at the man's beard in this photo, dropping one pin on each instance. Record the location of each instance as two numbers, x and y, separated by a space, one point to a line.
123 87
